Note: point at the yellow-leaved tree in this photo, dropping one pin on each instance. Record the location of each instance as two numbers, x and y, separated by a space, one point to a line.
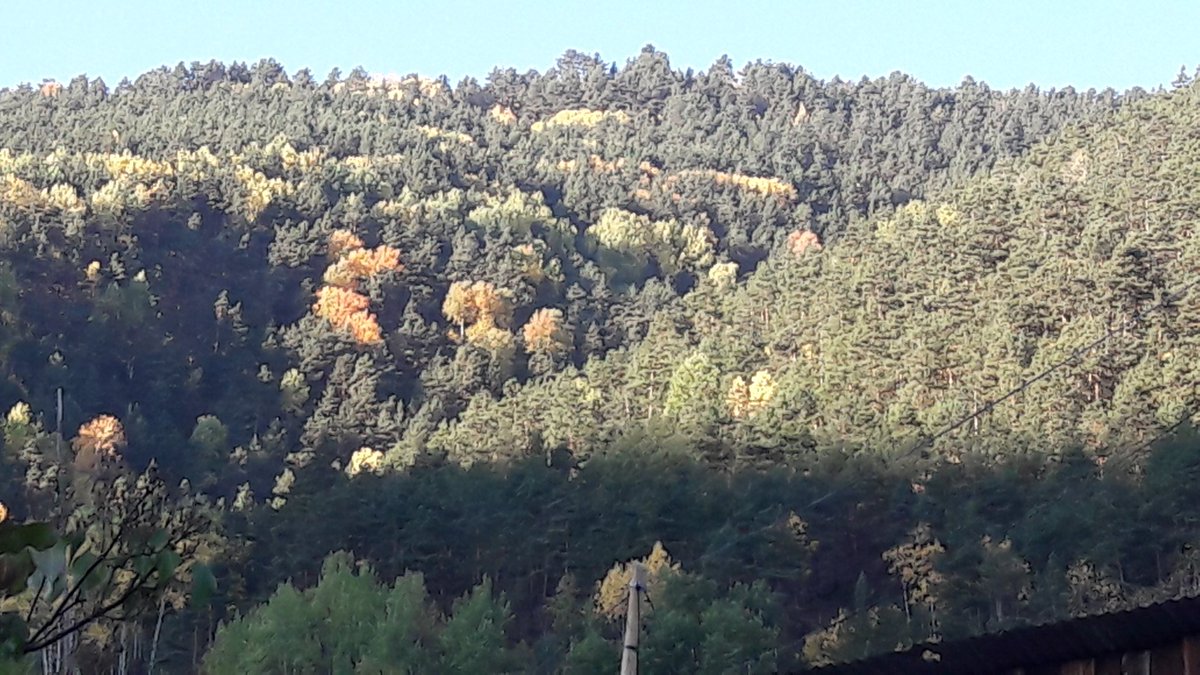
356 264
103 435
737 399
762 390
544 332
914 562
365 460
468 303
98 443
613 591
497 341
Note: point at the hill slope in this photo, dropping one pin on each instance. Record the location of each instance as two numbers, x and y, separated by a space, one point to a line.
161 249
910 321
601 307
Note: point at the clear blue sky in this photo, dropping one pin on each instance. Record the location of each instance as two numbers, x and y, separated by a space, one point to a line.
1007 43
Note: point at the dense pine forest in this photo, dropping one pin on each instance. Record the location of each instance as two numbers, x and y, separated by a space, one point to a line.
374 374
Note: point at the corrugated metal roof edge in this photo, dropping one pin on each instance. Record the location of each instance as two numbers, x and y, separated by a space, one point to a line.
1043 644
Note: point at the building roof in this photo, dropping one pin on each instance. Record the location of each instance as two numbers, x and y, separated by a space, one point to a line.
1047 644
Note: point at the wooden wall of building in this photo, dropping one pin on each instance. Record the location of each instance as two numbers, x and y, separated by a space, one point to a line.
1179 657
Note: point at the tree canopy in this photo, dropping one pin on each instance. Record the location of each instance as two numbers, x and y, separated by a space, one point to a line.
393 375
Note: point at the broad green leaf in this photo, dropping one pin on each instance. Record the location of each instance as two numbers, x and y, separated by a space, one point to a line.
142 564
165 564
13 635
99 577
76 541
82 563
57 588
204 585
158 540
15 569
15 537
50 565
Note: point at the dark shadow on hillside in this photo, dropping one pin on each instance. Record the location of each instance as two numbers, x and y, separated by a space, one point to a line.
809 532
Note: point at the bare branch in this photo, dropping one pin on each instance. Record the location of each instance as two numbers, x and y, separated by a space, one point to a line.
37 596
34 646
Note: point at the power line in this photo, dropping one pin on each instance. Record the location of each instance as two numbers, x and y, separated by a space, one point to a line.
1125 459
1075 355
991 405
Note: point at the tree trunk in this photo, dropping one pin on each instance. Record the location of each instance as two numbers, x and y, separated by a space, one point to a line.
162 606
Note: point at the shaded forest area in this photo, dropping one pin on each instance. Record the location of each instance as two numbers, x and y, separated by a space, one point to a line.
410 370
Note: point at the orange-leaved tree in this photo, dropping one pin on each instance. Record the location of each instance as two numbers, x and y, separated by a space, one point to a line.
342 241
347 310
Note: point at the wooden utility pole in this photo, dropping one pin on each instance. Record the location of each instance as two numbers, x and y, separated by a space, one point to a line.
633 620
58 427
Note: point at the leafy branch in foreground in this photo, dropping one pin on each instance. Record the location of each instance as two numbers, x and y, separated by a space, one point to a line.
124 551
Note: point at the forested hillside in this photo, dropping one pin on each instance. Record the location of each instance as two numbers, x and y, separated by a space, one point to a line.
489 341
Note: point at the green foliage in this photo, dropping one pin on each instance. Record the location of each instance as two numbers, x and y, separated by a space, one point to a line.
696 629
210 441
591 654
874 259
473 639
210 435
348 623
53 587
694 390
400 639
22 558
917 317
